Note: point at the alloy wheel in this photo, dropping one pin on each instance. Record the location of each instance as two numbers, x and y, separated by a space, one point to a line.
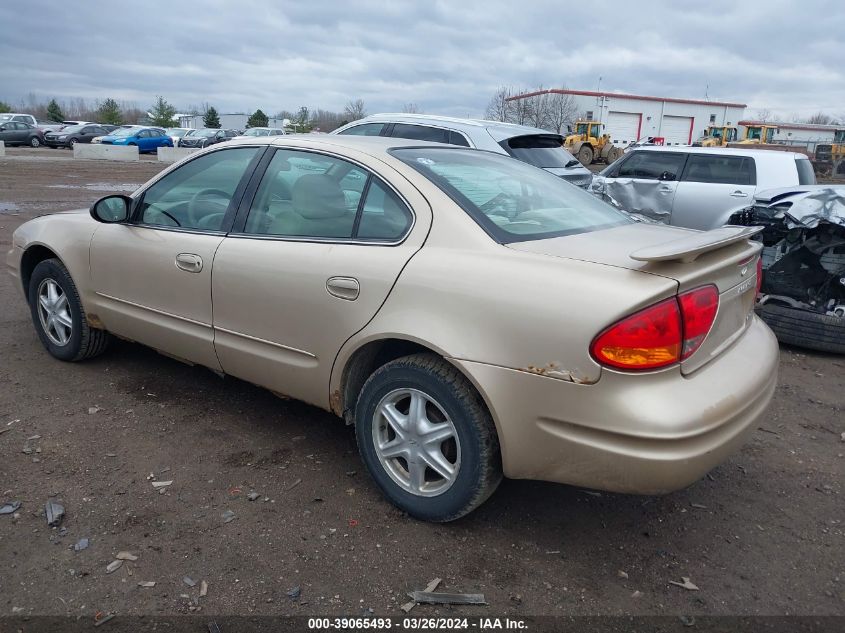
416 442
54 312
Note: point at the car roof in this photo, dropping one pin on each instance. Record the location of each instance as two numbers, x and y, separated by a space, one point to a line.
372 145
765 154
497 129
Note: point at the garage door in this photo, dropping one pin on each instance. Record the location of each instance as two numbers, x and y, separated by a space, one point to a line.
677 130
623 127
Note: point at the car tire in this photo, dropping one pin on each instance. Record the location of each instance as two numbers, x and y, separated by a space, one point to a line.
71 143
34 142
803 328
585 155
76 341
450 405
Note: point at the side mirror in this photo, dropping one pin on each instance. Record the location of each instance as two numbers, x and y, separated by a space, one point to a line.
111 209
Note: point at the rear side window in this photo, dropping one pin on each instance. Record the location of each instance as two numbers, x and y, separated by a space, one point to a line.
539 150
366 129
806 175
653 166
420 133
456 138
725 170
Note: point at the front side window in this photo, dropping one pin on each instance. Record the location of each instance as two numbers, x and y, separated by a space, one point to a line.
365 129
308 195
727 170
652 166
509 199
198 194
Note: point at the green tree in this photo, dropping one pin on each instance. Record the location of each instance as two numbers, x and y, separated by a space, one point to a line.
54 111
162 113
211 118
257 119
5 107
109 112
301 120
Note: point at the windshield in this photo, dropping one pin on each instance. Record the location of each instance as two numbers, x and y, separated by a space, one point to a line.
512 201
255 131
582 128
175 131
72 128
539 150
5 117
205 133
124 132
715 132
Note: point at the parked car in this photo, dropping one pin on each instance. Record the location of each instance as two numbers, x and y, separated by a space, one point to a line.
20 118
69 123
261 131
530 145
471 315
697 187
17 133
99 139
803 293
146 139
206 136
175 133
73 134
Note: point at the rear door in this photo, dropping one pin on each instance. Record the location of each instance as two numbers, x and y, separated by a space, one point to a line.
318 244
712 188
645 182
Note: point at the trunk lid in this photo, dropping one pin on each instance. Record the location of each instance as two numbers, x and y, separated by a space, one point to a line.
722 257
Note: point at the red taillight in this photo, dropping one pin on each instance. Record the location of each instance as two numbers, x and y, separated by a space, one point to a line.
759 274
698 311
660 335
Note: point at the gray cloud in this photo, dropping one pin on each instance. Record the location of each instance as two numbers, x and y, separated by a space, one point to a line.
447 57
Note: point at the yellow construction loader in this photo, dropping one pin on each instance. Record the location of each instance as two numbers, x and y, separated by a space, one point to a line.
717 136
829 158
589 144
759 134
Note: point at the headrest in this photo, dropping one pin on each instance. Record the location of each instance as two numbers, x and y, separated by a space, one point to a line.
318 197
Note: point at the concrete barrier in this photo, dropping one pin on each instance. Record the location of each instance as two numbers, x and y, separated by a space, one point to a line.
97 151
172 154
2 148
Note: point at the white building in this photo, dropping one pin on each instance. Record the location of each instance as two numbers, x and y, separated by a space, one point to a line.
628 118
227 121
802 134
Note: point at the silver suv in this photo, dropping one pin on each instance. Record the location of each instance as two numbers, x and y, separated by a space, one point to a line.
529 144
698 187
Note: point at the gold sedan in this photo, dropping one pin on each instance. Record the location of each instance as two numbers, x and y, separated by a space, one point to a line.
471 315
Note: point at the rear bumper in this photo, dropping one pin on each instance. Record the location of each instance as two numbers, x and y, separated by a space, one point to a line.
635 433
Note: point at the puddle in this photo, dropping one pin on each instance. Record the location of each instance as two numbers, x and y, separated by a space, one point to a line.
100 186
9 207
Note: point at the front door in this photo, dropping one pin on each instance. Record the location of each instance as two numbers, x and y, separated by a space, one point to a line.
309 262
712 188
152 276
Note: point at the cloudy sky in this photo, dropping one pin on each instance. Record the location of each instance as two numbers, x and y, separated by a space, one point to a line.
447 57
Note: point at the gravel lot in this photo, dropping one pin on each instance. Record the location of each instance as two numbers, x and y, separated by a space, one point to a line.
762 534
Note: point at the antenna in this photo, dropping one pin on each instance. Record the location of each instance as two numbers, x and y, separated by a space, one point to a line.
706 92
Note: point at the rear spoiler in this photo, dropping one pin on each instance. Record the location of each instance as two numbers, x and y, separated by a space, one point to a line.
687 249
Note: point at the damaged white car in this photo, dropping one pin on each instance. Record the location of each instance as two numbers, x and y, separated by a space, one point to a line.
803 291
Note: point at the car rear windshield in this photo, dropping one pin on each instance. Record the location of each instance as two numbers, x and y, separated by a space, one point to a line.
539 150
512 201
806 175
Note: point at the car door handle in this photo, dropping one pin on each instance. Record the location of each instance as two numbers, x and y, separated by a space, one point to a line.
343 287
739 194
189 262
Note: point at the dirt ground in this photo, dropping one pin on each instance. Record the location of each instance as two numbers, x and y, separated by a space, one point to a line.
762 534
